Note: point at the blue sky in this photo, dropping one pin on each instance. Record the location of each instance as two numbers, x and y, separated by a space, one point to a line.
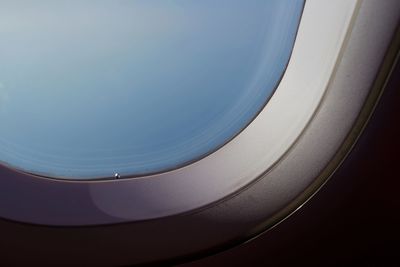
91 88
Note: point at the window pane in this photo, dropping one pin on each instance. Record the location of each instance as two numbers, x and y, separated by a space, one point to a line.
91 88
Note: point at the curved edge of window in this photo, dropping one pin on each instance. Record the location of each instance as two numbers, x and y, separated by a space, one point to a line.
250 155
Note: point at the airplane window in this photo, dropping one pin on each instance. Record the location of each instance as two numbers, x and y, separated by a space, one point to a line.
93 88
219 119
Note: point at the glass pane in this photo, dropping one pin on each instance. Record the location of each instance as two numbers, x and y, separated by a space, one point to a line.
91 88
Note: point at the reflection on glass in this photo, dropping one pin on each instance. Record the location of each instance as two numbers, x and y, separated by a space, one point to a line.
91 88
